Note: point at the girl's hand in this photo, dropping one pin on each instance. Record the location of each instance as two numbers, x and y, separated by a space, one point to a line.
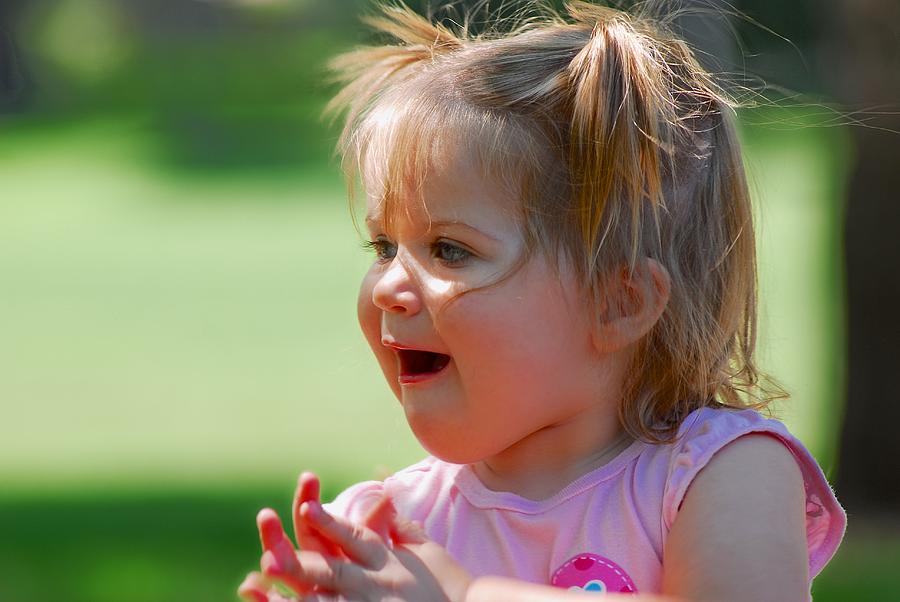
257 588
276 542
307 539
405 567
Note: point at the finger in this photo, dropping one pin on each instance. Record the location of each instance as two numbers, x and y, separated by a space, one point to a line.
317 574
360 544
384 520
380 517
254 588
308 490
405 532
271 531
290 574
278 551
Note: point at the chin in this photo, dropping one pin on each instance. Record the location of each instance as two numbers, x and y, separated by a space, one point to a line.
442 443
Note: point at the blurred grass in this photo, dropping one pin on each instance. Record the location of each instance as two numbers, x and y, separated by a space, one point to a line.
177 346
166 328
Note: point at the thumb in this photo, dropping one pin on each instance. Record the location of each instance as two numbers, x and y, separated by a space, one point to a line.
390 526
405 531
381 517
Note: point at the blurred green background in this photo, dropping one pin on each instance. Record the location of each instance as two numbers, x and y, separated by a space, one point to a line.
178 274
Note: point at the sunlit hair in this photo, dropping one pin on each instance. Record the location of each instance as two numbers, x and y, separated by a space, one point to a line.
620 147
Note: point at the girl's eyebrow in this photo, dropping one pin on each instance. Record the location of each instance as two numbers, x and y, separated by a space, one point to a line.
441 223
373 220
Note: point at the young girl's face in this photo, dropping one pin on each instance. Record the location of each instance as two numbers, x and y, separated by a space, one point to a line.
478 372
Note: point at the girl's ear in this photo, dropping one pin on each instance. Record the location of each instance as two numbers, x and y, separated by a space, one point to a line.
633 302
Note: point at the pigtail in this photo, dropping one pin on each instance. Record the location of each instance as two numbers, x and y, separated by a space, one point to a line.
657 172
619 103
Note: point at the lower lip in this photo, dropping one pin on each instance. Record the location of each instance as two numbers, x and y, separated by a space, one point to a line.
424 377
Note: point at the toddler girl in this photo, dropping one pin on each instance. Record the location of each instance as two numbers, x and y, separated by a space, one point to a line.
563 299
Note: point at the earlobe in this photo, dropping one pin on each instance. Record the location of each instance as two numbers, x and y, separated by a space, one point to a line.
634 303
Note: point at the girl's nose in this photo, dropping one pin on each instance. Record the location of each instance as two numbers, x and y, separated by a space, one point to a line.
395 291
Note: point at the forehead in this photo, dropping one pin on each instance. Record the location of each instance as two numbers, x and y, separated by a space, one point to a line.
423 150
453 189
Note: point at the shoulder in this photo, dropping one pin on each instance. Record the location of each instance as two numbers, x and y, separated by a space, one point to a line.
707 432
740 533
748 476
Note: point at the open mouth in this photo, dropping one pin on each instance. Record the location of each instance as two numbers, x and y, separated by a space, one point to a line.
419 363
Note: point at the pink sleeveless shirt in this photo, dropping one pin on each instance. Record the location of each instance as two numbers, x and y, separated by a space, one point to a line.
605 531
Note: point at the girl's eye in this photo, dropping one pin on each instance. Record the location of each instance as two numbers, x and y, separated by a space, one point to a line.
384 249
449 253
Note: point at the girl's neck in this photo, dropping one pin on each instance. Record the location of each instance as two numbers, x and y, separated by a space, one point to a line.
543 463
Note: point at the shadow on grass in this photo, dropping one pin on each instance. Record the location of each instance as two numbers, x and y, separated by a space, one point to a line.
165 547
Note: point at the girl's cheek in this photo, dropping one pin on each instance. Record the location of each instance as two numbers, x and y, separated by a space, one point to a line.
367 313
469 320
369 316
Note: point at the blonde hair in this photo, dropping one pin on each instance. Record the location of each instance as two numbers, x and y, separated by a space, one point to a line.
620 146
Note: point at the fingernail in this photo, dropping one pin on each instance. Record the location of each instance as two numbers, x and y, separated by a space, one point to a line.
266 515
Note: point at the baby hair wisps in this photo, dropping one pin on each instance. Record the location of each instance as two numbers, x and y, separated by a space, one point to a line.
620 147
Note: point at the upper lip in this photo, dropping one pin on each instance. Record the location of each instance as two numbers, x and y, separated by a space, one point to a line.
390 342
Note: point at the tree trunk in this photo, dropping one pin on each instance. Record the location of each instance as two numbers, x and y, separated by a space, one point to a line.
13 84
863 59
